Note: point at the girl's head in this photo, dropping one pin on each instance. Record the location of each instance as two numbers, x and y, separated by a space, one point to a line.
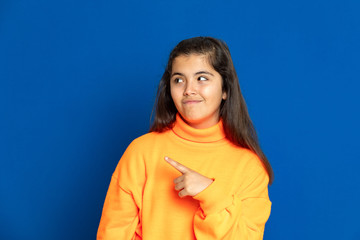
216 55
196 90
200 72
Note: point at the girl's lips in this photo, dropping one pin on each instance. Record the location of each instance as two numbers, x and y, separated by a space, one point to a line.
191 101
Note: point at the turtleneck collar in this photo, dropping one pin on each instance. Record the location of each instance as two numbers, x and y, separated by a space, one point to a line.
206 135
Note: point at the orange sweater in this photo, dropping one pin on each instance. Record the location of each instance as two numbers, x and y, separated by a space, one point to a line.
142 203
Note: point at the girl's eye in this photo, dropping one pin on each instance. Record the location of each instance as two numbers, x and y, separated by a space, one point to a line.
202 79
178 80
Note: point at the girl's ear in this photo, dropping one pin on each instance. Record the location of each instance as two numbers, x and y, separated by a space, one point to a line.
224 95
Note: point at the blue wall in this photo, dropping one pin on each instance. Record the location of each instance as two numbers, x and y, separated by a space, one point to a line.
78 80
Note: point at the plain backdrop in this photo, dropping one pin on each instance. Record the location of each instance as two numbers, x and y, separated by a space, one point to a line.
78 80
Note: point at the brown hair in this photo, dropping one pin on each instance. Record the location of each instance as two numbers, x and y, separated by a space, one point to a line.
238 126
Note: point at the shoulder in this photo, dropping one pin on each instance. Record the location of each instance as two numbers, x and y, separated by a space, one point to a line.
252 160
248 162
133 159
254 170
244 156
250 174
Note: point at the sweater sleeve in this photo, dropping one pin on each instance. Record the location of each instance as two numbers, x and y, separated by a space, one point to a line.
241 215
120 216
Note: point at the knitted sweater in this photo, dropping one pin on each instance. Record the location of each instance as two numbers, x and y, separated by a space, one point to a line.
141 201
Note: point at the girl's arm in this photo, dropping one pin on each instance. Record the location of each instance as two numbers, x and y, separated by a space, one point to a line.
240 216
120 216
222 216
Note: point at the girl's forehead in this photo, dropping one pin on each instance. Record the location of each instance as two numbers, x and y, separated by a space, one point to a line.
191 61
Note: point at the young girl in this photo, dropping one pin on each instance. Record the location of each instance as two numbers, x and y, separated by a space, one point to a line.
200 172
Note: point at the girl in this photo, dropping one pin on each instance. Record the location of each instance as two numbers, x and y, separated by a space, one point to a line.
200 172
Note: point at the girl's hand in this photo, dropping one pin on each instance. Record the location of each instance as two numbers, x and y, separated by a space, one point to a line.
191 182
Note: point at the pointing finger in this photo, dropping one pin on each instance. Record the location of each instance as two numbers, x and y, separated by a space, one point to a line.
181 168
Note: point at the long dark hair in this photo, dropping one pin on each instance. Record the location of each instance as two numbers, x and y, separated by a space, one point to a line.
238 126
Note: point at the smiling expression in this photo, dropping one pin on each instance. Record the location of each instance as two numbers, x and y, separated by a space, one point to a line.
196 89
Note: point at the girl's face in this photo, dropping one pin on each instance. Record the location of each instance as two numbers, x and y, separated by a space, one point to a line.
196 89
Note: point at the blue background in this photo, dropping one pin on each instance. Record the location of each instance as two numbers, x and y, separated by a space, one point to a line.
78 81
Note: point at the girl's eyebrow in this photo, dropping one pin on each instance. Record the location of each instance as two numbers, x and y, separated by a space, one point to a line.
204 72
176 73
201 72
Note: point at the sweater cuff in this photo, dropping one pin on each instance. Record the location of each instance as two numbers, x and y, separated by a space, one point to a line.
214 199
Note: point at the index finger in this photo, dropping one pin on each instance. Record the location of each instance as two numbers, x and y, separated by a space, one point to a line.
181 168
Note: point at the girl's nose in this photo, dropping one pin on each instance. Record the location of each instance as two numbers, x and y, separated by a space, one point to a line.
190 88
